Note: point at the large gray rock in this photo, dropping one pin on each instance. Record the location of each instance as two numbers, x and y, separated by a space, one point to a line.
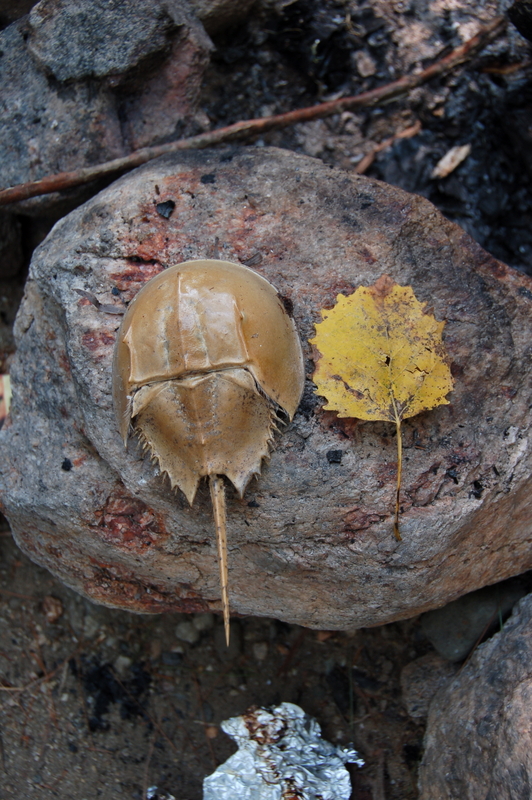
478 744
312 541
85 81
77 40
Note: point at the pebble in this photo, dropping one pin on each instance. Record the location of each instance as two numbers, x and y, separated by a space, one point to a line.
52 608
455 629
187 632
260 651
365 65
122 664
91 626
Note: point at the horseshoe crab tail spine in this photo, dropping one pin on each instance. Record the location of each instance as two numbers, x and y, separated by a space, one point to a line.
218 504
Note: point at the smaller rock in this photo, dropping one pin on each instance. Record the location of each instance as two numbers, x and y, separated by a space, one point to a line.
52 608
121 665
260 651
203 622
421 679
365 65
455 629
91 626
186 632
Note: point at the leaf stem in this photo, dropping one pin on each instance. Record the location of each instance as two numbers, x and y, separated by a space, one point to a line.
399 468
217 488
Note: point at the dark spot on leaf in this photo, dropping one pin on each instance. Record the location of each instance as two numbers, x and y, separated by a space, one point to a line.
355 392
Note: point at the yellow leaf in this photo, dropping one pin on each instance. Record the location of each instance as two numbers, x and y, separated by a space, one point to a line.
381 358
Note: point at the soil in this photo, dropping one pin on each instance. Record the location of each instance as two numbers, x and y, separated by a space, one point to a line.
100 703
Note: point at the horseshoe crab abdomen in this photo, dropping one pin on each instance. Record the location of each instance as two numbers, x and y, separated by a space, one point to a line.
212 424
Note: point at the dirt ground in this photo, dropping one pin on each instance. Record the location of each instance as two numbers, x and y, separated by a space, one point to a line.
96 703
101 703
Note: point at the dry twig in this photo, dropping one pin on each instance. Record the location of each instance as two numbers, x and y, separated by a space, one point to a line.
366 162
256 127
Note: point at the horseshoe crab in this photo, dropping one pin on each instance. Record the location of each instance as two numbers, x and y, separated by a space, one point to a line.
207 366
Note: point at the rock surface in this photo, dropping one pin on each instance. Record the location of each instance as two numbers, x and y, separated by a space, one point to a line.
479 734
312 541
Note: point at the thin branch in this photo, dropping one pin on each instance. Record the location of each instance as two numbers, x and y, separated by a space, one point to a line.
256 127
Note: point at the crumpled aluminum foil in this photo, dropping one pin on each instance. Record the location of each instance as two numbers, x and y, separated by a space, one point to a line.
281 756
153 794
